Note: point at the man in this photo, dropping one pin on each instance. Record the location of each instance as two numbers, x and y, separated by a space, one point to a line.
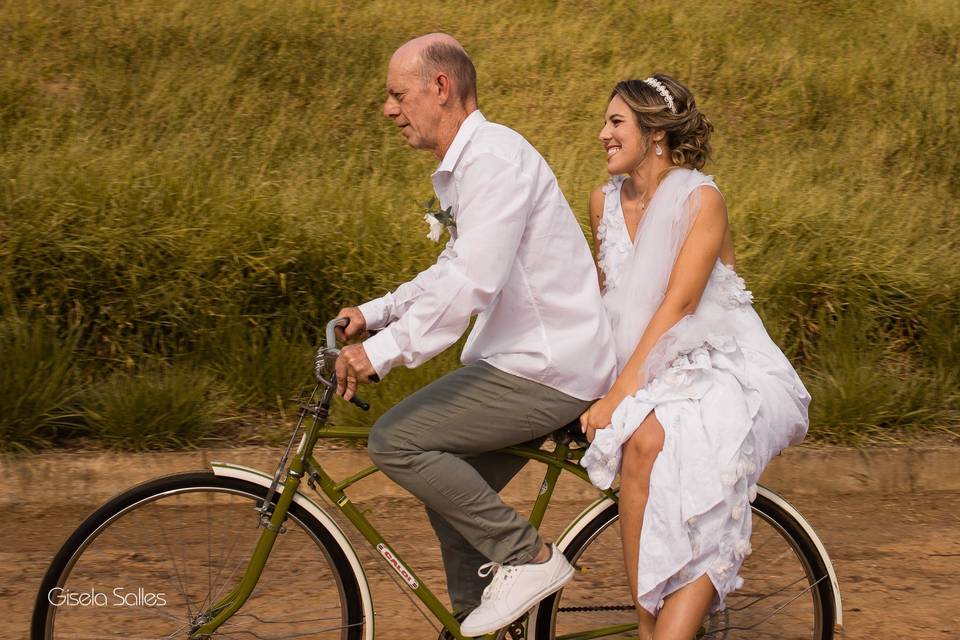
539 353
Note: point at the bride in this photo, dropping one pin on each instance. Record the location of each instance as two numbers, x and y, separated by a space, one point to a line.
704 398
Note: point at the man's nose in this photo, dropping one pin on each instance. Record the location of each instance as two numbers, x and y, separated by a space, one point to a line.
390 108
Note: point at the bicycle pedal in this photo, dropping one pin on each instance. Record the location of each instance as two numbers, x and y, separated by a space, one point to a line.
516 630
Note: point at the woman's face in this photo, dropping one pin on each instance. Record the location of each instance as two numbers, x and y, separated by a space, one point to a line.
622 139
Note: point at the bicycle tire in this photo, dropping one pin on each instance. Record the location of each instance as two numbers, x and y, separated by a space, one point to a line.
97 555
589 606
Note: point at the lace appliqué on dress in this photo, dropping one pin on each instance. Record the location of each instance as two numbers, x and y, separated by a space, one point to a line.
612 234
731 288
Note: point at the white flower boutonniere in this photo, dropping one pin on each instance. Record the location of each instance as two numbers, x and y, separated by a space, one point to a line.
438 219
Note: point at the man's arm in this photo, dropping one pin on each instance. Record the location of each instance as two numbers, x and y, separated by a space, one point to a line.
495 200
375 314
380 312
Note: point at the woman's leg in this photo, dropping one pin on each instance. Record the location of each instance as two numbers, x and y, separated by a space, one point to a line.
684 610
639 454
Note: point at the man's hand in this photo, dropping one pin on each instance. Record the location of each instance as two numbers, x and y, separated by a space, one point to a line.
353 367
357 327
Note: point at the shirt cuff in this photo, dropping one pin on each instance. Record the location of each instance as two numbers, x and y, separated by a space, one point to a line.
383 352
375 313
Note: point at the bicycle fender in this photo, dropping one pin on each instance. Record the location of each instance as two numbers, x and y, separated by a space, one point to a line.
256 476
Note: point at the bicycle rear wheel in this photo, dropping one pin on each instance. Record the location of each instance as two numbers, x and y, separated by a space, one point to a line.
786 594
150 562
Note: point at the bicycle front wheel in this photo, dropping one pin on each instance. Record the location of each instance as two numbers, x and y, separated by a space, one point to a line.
787 594
150 562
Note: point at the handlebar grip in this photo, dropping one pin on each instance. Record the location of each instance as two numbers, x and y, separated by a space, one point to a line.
363 404
331 326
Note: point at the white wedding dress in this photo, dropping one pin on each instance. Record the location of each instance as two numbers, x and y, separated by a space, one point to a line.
726 396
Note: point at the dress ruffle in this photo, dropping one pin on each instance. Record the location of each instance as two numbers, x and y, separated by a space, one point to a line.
612 233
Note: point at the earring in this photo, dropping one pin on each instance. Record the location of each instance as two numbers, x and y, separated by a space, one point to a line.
657 149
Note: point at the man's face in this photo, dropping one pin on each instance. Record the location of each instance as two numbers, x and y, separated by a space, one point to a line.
411 105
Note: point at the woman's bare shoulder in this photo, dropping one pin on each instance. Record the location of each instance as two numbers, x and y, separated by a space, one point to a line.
713 206
597 197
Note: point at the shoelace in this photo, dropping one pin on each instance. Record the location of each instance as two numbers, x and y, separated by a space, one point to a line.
502 576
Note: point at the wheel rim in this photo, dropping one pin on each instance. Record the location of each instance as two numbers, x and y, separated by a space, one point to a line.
780 597
151 569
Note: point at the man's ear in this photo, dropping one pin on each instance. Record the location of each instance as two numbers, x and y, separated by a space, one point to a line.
444 88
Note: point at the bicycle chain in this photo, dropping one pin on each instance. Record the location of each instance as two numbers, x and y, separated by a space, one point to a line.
609 607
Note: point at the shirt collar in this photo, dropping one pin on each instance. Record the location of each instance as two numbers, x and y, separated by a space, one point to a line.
464 133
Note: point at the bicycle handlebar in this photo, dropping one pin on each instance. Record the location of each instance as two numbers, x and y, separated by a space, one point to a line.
331 331
327 355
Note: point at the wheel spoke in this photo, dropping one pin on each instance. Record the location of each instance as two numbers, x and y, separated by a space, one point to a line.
171 554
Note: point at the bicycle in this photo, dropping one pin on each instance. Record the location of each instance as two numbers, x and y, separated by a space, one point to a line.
185 556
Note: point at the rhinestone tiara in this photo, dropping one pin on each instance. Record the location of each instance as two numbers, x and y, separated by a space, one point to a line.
662 90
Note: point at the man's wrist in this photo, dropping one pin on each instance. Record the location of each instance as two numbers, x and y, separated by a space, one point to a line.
374 313
383 352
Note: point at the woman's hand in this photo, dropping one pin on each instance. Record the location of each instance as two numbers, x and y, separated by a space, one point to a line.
599 415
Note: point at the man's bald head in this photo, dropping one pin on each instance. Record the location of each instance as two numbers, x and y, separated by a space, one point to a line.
431 89
436 53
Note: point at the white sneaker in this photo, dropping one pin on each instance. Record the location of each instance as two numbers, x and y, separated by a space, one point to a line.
514 590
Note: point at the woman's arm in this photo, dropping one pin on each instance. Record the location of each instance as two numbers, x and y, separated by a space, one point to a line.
687 281
596 212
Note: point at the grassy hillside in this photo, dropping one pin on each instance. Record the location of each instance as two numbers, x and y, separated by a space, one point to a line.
189 189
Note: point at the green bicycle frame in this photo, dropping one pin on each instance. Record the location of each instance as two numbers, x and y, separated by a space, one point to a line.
303 463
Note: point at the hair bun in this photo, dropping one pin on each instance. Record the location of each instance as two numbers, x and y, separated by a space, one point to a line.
689 142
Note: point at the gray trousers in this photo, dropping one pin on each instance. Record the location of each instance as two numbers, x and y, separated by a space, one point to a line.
440 445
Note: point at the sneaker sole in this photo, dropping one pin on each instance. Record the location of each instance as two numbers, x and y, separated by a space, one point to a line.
528 604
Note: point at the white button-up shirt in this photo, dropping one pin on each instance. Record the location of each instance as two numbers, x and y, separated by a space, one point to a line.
518 259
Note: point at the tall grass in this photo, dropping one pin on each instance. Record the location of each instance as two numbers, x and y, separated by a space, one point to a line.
154 409
39 388
183 174
261 367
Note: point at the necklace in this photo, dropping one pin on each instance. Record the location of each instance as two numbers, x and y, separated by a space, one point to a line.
638 209
640 206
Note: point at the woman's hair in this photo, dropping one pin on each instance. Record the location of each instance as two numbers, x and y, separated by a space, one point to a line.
687 130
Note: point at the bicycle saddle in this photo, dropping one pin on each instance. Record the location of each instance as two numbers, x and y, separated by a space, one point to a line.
571 432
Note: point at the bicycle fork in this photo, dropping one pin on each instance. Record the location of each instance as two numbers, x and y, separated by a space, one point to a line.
208 621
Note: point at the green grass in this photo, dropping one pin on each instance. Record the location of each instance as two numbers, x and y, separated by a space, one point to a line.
204 183
38 384
261 367
155 409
